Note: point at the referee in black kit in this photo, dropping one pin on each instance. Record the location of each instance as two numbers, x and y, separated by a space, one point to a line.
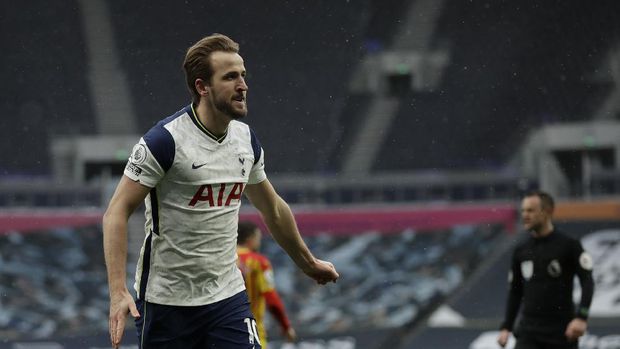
541 277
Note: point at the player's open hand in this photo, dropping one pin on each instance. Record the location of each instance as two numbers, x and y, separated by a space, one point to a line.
323 272
120 305
575 329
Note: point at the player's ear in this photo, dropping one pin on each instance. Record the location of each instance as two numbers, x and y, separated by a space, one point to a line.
202 87
550 212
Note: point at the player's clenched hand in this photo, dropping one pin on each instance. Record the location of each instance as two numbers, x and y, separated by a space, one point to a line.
120 305
503 337
575 329
290 335
322 271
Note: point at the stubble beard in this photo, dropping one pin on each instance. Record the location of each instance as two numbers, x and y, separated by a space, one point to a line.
226 107
535 229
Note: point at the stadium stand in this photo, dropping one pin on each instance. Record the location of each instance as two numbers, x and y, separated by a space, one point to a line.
296 75
392 276
347 125
507 81
502 81
382 24
52 283
490 95
45 90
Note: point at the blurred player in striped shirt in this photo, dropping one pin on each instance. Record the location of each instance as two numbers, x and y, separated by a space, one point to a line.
258 275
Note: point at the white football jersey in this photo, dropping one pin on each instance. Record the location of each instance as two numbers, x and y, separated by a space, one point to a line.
190 249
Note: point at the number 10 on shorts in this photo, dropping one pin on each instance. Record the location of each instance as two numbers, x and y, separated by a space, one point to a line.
251 323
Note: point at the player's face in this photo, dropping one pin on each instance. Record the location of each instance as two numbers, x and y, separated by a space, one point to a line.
256 240
228 89
533 215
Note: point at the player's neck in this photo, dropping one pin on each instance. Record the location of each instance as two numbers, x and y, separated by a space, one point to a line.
211 120
544 231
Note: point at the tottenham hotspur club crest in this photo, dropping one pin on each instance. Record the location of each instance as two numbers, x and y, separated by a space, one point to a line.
242 161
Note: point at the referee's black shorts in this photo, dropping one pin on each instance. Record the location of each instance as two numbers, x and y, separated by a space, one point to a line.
544 332
530 342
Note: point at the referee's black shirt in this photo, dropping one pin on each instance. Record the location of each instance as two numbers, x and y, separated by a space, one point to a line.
542 277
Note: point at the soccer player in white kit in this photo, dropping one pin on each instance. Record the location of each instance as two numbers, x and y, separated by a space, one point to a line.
191 170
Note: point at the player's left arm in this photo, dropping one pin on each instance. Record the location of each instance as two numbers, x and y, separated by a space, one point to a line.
276 308
583 266
584 273
279 218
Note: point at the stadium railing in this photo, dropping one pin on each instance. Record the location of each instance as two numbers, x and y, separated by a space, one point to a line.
404 187
300 189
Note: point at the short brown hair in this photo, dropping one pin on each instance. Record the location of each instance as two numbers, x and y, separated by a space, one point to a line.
197 63
245 230
546 200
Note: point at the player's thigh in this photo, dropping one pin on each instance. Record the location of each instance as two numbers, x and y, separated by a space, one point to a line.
236 327
570 345
167 327
525 342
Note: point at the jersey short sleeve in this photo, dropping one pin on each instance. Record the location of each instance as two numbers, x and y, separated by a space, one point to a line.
257 174
152 157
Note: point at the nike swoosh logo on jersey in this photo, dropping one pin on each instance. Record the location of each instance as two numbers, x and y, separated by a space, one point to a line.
194 166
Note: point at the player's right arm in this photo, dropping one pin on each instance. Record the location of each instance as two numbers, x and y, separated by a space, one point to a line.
515 293
126 199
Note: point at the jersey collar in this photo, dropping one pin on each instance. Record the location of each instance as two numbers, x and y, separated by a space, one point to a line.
194 117
242 249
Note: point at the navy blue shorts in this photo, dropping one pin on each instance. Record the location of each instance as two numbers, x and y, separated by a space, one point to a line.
227 324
